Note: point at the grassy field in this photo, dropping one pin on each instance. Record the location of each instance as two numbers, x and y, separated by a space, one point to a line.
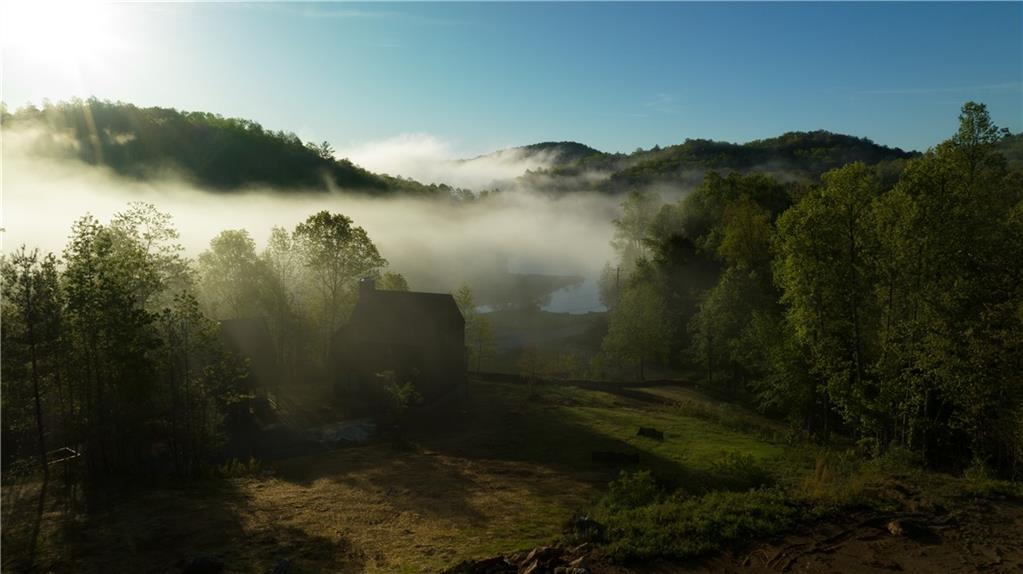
500 472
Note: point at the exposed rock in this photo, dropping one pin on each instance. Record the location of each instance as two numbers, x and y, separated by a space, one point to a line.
533 567
584 548
539 560
650 432
895 527
580 563
544 553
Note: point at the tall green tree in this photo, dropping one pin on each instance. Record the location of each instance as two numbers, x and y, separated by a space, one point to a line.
745 289
31 345
232 277
631 229
951 325
283 297
638 331
826 249
336 254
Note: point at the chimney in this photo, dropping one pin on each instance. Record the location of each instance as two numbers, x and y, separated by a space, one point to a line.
367 285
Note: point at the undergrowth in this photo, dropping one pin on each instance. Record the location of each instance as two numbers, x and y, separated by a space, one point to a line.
740 500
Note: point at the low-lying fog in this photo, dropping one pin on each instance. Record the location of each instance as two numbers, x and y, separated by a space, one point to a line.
437 245
430 159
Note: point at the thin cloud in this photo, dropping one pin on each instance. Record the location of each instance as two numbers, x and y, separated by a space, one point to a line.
664 103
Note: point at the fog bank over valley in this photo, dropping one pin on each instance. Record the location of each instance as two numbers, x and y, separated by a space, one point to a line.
431 159
436 243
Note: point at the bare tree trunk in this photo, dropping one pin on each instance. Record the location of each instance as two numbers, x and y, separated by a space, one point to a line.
30 322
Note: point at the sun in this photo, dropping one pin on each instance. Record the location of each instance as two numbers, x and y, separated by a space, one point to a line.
57 32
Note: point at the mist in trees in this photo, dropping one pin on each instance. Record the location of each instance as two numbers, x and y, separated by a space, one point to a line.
882 302
113 349
108 345
884 306
479 333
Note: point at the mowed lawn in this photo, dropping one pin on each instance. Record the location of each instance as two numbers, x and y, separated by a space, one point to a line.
501 472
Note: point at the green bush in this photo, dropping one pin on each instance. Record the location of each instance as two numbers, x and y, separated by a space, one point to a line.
680 527
632 490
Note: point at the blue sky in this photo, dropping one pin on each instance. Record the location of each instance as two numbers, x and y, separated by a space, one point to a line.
483 75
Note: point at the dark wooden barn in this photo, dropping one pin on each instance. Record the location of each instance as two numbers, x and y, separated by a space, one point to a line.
420 337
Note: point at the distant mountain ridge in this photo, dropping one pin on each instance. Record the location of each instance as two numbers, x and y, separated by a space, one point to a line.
225 154
793 155
565 152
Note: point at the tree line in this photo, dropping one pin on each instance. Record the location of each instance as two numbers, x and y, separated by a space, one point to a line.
801 156
214 152
886 306
112 351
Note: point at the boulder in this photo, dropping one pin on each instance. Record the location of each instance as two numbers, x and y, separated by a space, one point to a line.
650 432
895 528
544 554
580 563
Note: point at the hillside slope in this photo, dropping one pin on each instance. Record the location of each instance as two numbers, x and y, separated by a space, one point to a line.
552 154
212 151
792 156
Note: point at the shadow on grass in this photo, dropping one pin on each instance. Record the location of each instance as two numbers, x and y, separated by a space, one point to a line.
408 480
163 529
512 423
504 430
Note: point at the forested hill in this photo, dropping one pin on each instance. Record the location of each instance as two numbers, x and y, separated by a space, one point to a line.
794 155
215 152
224 154
561 153
549 154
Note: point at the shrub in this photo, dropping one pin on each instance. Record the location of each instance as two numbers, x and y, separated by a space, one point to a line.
631 490
680 527
235 468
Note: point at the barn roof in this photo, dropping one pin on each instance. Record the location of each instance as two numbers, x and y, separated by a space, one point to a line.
404 314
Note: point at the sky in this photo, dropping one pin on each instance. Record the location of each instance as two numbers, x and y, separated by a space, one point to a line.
475 77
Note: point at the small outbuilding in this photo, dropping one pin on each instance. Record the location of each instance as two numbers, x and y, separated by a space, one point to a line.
419 337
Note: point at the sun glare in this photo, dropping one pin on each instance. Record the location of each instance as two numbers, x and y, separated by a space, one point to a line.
60 32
